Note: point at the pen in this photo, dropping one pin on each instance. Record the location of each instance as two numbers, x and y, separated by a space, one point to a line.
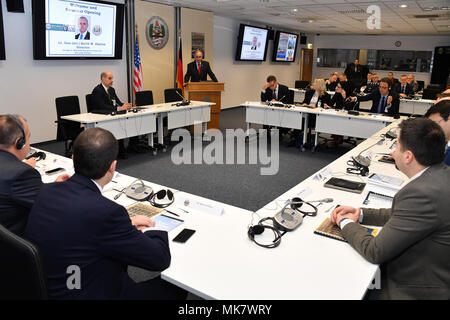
172 213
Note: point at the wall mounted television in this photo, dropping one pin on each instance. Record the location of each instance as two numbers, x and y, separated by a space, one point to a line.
2 37
285 47
252 43
73 29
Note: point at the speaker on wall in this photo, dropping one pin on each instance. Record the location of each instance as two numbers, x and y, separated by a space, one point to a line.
303 39
15 5
441 65
271 34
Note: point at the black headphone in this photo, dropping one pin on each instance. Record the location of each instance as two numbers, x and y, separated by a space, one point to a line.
161 194
21 142
259 229
298 202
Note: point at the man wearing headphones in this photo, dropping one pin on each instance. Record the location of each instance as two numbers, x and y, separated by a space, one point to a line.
384 100
19 181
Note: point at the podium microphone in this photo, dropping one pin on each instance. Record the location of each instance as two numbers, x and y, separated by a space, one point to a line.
184 102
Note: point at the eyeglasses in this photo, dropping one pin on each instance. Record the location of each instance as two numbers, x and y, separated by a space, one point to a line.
438 121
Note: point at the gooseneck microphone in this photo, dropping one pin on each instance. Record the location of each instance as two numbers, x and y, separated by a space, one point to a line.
183 102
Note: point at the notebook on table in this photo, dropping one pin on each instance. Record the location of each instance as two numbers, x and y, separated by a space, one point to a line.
330 230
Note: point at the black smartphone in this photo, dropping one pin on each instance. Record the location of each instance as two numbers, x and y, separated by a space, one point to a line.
184 235
345 185
52 171
387 159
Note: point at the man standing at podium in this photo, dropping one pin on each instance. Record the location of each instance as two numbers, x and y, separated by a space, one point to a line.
198 70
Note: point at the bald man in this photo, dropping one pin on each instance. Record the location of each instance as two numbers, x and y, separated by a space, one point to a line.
105 101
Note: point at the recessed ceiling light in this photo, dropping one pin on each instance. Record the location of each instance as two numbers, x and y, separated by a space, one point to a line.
294 10
403 6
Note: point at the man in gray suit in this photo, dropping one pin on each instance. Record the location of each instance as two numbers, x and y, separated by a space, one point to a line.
413 246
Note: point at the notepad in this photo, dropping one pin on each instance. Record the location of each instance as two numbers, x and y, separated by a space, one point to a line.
330 230
143 209
378 200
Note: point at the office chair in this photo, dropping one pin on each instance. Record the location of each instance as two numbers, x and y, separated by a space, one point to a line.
421 85
22 274
170 95
301 84
67 131
430 94
144 98
89 105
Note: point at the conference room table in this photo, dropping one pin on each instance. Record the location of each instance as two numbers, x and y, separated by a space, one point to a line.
220 262
416 106
143 121
331 121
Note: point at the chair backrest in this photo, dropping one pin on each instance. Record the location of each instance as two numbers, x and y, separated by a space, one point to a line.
421 85
65 106
89 105
144 98
170 95
430 94
301 84
22 274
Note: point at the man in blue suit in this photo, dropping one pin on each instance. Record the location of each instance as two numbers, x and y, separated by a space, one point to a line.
87 241
440 113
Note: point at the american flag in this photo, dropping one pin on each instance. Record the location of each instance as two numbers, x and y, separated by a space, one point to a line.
138 82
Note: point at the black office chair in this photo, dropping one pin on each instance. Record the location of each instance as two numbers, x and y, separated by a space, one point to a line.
170 95
67 131
301 84
22 274
430 93
421 85
144 98
89 105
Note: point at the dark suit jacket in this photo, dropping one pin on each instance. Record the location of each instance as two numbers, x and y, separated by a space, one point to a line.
101 102
324 99
375 96
193 75
414 244
19 187
87 37
352 74
73 224
408 89
283 91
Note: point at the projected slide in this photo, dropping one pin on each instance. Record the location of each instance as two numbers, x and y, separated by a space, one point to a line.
79 29
254 43
286 47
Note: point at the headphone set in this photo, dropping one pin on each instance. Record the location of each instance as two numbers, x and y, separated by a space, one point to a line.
22 141
160 195
288 219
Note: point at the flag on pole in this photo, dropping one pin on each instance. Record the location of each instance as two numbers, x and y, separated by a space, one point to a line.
180 80
138 82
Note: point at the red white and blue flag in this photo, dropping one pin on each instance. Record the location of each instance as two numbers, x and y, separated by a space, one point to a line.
138 81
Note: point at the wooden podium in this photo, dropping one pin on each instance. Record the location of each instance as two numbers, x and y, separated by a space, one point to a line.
210 92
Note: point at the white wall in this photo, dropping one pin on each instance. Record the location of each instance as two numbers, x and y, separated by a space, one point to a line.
243 80
29 87
386 42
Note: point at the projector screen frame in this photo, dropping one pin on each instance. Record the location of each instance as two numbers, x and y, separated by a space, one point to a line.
241 39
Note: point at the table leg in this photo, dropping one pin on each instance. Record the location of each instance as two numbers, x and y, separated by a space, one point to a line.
160 129
305 129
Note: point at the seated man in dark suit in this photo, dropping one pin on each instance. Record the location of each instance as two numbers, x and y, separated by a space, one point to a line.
273 91
440 113
332 82
76 227
403 88
19 181
384 100
105 101
198 70
394 81
413 246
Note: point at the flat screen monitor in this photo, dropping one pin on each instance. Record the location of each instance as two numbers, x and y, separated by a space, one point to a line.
252 43
73 29
2 37
285 47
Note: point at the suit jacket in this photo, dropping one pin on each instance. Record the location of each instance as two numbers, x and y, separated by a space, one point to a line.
74 225
284 95
408 89
326 98
193 75
352 74
414 243
447 156
101 103
375 96
19 187
87 37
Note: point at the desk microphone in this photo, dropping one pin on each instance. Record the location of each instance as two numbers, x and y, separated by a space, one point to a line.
183 103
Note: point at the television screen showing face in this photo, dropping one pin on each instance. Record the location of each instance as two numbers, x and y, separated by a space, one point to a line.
252 43
72 29
285 47
2 37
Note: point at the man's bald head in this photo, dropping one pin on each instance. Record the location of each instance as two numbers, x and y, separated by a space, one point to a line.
107 78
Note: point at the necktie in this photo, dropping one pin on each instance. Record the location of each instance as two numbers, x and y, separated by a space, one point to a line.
199 68
403 89
81 36
381 105
109 94
274 94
